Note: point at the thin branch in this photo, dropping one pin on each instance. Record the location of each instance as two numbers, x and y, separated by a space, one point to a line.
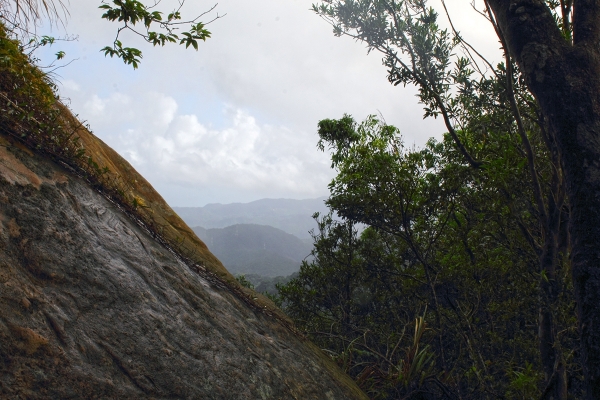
445 115
59 67
566 7
468 48
537 191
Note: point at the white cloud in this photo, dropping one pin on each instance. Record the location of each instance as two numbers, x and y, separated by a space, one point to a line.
95 106
71 85
173 148
277 68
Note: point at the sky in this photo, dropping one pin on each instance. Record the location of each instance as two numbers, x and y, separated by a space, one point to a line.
236 121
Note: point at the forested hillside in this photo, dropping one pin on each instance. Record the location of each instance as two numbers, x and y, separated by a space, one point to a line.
255 249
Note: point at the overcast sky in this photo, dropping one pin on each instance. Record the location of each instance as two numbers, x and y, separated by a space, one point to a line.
236 121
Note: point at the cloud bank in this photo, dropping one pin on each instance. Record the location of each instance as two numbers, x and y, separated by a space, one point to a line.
236 121
243 154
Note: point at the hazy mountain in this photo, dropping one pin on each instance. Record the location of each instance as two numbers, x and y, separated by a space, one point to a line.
255 249
291 216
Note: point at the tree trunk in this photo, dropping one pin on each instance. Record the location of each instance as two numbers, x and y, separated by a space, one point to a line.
551 351
555 379
565 79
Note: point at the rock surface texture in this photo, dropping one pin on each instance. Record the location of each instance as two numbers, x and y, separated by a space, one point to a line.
92 306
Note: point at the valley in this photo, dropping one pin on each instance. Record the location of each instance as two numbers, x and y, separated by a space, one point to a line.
265 240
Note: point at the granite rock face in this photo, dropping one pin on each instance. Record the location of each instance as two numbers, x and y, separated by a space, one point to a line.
91 306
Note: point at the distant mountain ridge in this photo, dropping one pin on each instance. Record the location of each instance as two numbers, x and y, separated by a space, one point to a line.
255 249
291 216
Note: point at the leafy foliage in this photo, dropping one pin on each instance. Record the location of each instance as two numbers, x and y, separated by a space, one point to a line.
478 221
133 12
244 282
156 29
444 244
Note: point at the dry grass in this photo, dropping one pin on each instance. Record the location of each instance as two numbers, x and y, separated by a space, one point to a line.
26 14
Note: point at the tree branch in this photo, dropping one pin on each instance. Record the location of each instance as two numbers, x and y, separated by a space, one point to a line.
468 48
444 111
537 190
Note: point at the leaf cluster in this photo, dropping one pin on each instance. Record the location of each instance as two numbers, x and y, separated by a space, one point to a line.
131 13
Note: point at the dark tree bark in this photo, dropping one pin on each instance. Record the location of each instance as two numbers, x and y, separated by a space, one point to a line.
565 79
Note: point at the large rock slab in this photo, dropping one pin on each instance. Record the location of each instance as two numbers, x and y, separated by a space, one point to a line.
92 306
